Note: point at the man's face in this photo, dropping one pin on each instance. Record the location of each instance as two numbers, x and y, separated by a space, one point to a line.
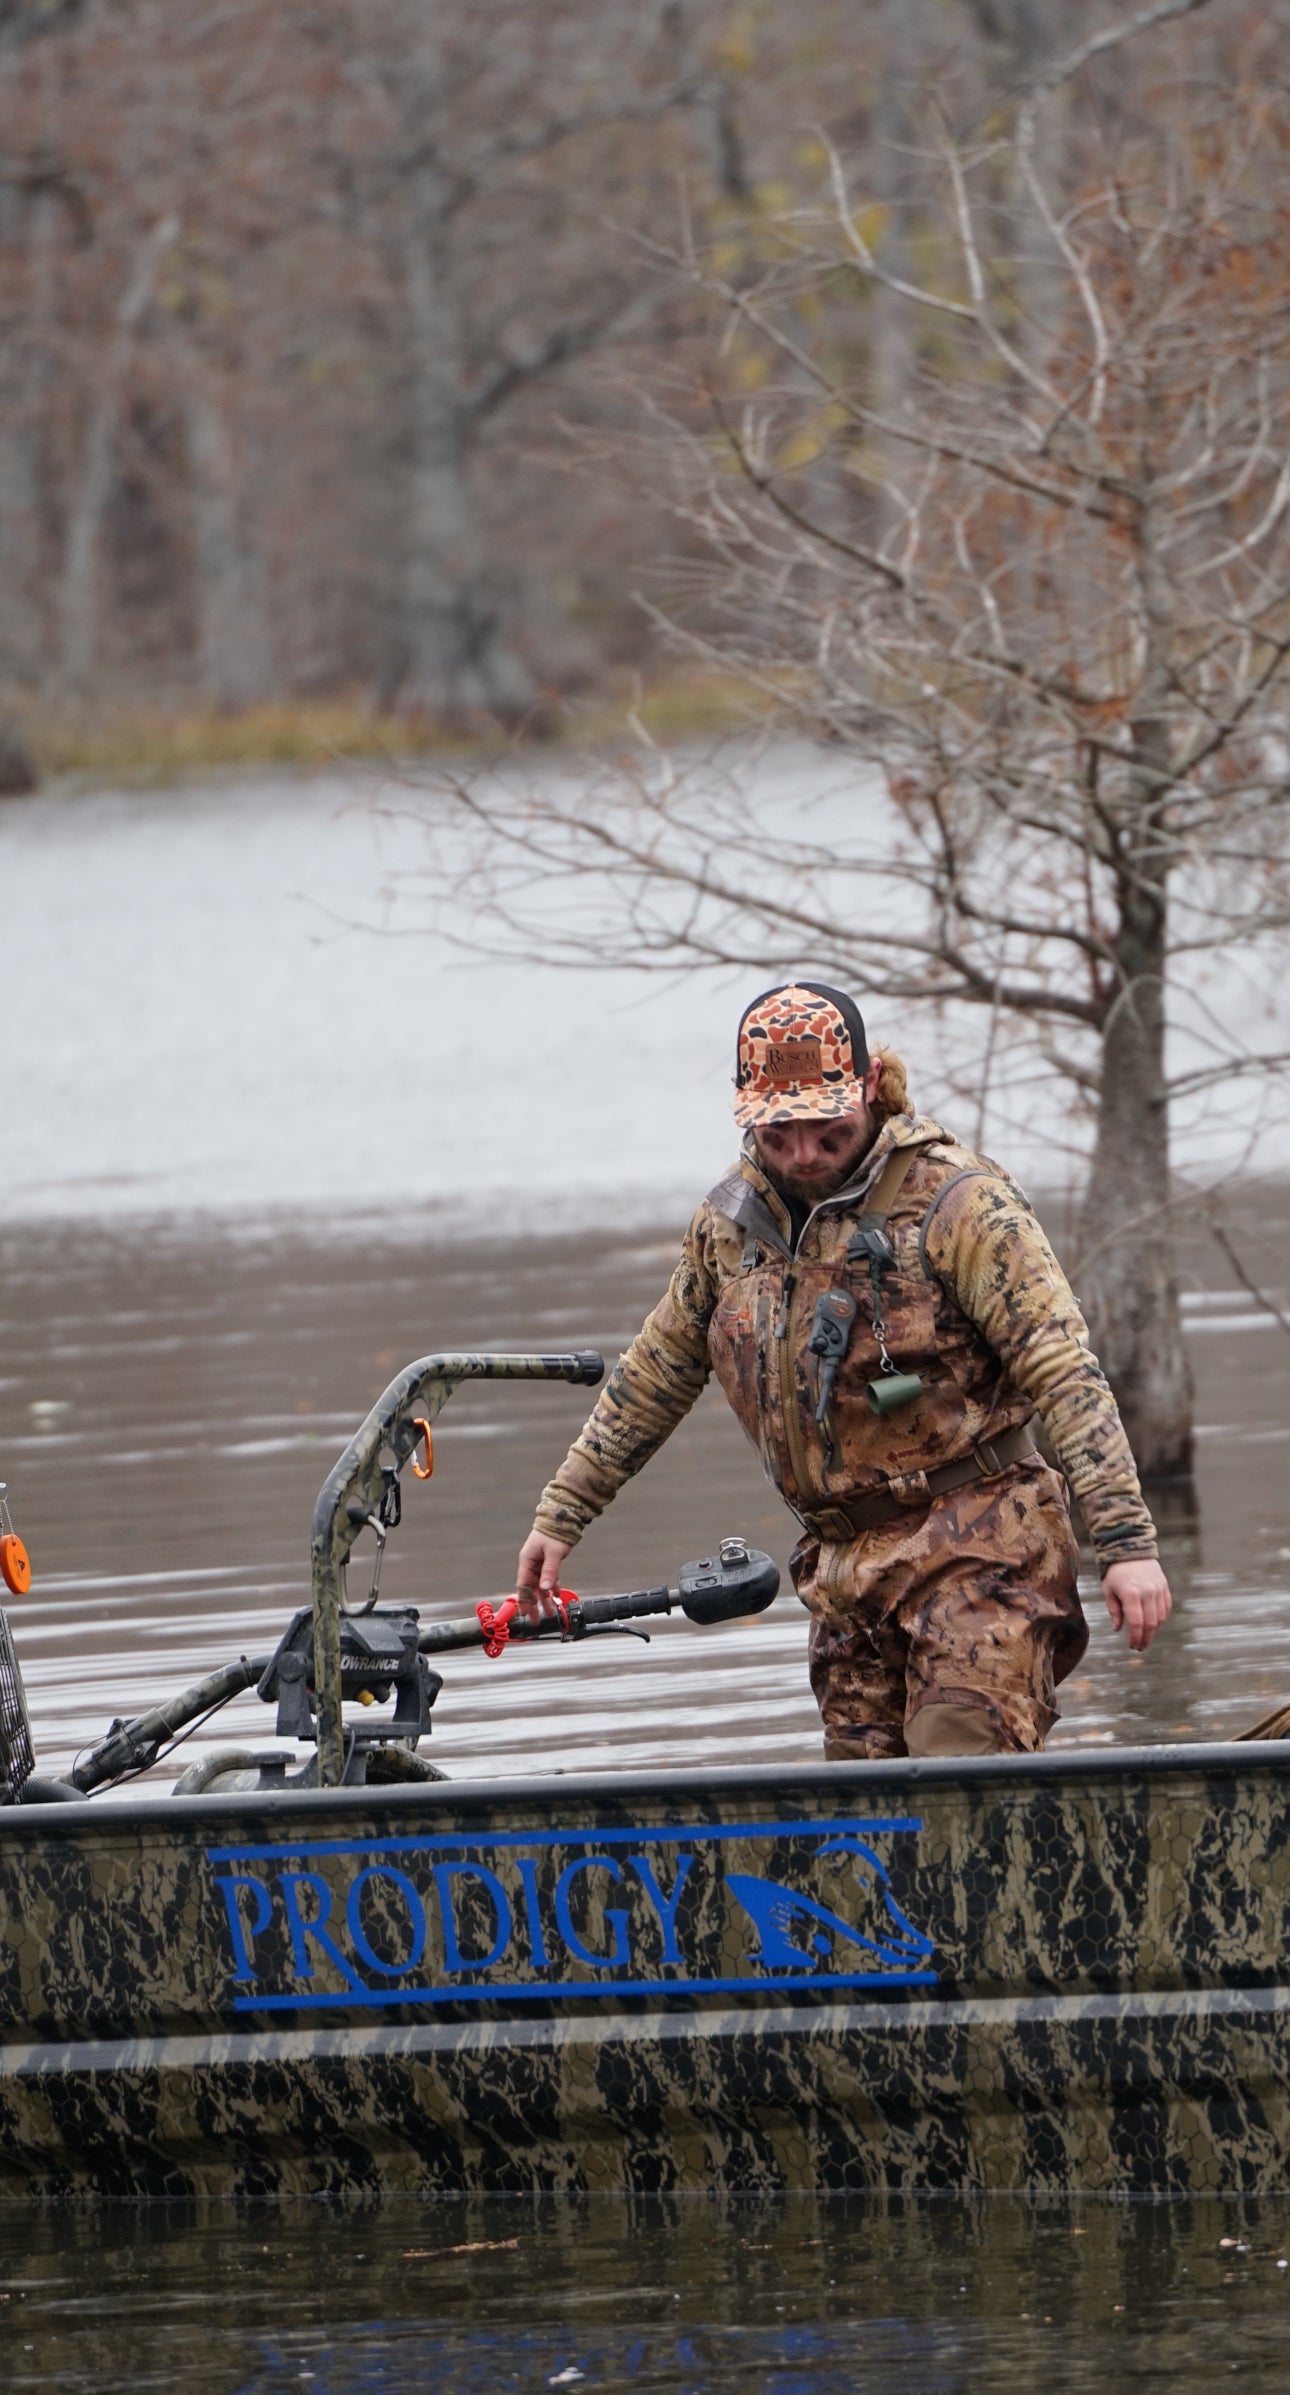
811 1159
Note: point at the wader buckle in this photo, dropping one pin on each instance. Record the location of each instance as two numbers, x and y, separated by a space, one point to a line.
832 1525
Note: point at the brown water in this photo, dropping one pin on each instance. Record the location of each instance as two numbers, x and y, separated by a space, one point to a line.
702 2297
170 1401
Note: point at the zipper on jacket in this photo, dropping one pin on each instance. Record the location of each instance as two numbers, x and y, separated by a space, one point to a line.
785 1301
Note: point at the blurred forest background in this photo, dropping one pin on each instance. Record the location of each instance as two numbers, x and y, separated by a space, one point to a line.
330 329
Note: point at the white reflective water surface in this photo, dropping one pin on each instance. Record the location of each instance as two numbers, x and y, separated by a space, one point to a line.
258 995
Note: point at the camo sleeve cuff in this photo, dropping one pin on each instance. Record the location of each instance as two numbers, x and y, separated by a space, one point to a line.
651 1388
986 1244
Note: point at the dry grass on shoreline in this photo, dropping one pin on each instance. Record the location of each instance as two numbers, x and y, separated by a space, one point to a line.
142 746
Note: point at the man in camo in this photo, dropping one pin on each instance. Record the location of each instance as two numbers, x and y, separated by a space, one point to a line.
937 1559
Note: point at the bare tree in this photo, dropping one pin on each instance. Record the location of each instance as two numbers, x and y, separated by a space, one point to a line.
115 446
24 377
389 230
234 644
1060 625
92 488
488 119
337 406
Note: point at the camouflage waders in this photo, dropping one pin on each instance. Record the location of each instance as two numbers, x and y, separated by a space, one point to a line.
969 1605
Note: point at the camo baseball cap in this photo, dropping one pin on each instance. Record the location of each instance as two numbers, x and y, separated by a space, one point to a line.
801 1055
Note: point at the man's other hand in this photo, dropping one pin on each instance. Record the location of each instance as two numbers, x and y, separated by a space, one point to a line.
537 1576
1137 1599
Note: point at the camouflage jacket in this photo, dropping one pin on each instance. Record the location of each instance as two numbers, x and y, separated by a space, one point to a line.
976 1303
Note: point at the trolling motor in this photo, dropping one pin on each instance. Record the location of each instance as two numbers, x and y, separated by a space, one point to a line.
335 1653
383 1655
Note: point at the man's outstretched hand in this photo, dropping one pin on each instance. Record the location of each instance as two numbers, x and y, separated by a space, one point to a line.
1137 1599
537 1575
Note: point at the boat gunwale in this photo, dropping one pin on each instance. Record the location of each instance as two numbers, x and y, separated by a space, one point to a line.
845 1780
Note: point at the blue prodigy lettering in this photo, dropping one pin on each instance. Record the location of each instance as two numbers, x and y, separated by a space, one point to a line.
449 1918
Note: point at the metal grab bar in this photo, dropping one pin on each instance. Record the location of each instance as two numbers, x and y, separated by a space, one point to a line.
351 1496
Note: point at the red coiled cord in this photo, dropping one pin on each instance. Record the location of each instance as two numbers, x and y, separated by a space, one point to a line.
496 1625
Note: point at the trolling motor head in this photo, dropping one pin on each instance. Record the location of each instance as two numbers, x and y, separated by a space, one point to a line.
737 1580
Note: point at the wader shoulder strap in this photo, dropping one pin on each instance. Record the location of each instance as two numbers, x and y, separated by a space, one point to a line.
869 1242
887 1188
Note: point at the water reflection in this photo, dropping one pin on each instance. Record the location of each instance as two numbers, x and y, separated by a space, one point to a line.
170 1403
793 2296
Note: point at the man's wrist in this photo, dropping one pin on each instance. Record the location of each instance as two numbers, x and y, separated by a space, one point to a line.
551 1521
1145 1551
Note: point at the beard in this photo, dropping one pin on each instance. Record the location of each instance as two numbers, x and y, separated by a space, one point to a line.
831 1173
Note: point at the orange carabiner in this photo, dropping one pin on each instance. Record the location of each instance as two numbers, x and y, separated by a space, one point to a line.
15 1564
423 1471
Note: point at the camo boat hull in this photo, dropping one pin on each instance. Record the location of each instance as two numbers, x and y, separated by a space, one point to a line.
1046 1972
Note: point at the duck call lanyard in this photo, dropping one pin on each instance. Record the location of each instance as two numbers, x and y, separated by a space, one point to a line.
835 1311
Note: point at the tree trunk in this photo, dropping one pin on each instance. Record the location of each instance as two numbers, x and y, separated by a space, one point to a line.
19 543
1128 1284
455 660
891 331
24 396
234 651
1034 28
79 610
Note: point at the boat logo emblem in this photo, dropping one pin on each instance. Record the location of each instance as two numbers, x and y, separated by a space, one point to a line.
474 1917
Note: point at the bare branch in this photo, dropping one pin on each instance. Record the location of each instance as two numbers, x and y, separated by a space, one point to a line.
1112 37
1230 1069
1260 1295
565 342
